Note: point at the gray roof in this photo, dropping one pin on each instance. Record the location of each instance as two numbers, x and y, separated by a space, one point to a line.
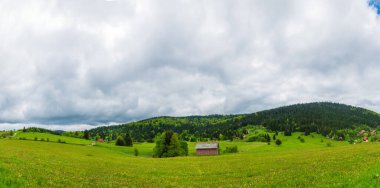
208 145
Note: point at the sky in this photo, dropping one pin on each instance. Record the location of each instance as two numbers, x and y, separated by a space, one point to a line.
76 64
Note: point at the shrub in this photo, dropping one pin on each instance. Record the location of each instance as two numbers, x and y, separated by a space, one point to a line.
193 139
136 152
278 142
35 138
232 149
351 141
258 138
42 139
47 140
302 140
328 144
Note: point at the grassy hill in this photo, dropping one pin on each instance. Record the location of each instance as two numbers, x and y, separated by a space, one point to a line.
44 159
321 117
29 163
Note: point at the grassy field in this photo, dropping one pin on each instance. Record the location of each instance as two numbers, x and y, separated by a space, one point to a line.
29 163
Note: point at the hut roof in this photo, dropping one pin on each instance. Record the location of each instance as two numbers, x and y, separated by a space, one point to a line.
207 145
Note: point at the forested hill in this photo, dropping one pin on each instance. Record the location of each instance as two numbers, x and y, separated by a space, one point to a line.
321 117
314 117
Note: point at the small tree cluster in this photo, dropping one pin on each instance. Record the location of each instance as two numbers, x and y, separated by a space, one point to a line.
124 140
168 145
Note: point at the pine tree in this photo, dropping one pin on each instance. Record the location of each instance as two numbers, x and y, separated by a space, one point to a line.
174 148
86 135
128 139
120 141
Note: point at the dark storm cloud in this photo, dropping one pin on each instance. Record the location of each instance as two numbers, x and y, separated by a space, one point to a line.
92 62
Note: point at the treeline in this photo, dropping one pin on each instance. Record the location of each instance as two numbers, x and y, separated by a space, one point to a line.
41 130
191 128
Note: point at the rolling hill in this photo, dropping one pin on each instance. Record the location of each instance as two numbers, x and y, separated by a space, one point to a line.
320 117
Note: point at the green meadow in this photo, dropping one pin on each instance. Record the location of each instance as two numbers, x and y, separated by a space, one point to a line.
318 162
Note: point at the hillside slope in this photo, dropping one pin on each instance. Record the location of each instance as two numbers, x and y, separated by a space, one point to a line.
315 117
321 117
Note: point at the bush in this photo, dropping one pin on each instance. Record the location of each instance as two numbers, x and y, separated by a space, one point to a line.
136 152
42 139
278 142
193 139
35 138
328 144
47 140
232 149
302 140
258 138
351 141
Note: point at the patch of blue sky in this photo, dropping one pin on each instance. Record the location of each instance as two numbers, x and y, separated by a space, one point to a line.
375 4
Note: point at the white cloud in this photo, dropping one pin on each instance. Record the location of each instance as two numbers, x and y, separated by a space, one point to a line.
91 62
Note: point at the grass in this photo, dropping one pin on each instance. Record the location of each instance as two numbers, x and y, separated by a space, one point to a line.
28 163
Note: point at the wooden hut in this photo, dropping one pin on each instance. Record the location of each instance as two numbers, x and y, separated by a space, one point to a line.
207 148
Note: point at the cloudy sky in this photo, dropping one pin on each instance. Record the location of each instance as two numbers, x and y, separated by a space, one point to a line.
75 63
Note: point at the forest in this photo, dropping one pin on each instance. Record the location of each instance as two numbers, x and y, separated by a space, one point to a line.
321 117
